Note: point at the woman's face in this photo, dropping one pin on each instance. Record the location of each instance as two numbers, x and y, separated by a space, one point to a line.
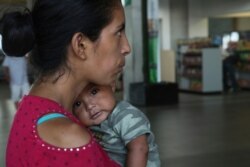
109 51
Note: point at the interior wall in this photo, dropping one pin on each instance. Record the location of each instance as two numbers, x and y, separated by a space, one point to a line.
178 21
164 15
218 26
199 11
243 24
222 7
174 22
197 22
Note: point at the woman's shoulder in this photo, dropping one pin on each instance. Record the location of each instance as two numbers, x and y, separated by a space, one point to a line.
63 132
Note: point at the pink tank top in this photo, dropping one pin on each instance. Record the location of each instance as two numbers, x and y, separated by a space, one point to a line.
26 149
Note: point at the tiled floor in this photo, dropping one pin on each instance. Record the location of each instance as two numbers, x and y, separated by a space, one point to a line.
7 111
201 131
207 131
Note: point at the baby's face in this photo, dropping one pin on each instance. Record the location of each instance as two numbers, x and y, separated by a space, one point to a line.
94 104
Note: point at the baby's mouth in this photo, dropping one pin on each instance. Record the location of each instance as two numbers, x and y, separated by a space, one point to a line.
95 115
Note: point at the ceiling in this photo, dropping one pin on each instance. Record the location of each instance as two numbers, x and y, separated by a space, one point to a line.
242 14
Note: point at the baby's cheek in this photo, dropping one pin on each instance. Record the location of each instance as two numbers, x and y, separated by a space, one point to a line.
76 112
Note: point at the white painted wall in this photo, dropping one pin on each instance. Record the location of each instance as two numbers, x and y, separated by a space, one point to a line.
178 21
197 22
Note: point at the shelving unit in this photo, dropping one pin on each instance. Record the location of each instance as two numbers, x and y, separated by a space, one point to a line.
200 71
243 69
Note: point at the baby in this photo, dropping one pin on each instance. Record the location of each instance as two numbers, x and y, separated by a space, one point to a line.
122 130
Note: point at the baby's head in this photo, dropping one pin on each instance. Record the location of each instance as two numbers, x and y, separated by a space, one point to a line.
94 104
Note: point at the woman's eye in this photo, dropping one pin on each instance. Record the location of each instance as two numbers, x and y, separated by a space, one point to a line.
119 33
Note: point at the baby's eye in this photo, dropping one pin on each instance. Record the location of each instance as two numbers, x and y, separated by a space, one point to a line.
77 104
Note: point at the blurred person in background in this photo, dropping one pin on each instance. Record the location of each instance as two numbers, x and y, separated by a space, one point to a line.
15 32
229 73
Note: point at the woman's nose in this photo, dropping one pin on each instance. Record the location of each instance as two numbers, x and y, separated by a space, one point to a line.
126 47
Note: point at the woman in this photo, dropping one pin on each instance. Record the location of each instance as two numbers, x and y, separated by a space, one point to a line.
77 42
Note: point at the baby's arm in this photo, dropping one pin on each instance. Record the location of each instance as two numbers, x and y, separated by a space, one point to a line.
137 152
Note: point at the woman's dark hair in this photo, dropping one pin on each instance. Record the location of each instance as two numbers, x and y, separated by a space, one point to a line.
17 33
56 21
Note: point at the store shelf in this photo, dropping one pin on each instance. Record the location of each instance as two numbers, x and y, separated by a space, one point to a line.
200 71
243 69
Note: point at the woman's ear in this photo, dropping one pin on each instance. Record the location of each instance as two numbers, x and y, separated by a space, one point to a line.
79 42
